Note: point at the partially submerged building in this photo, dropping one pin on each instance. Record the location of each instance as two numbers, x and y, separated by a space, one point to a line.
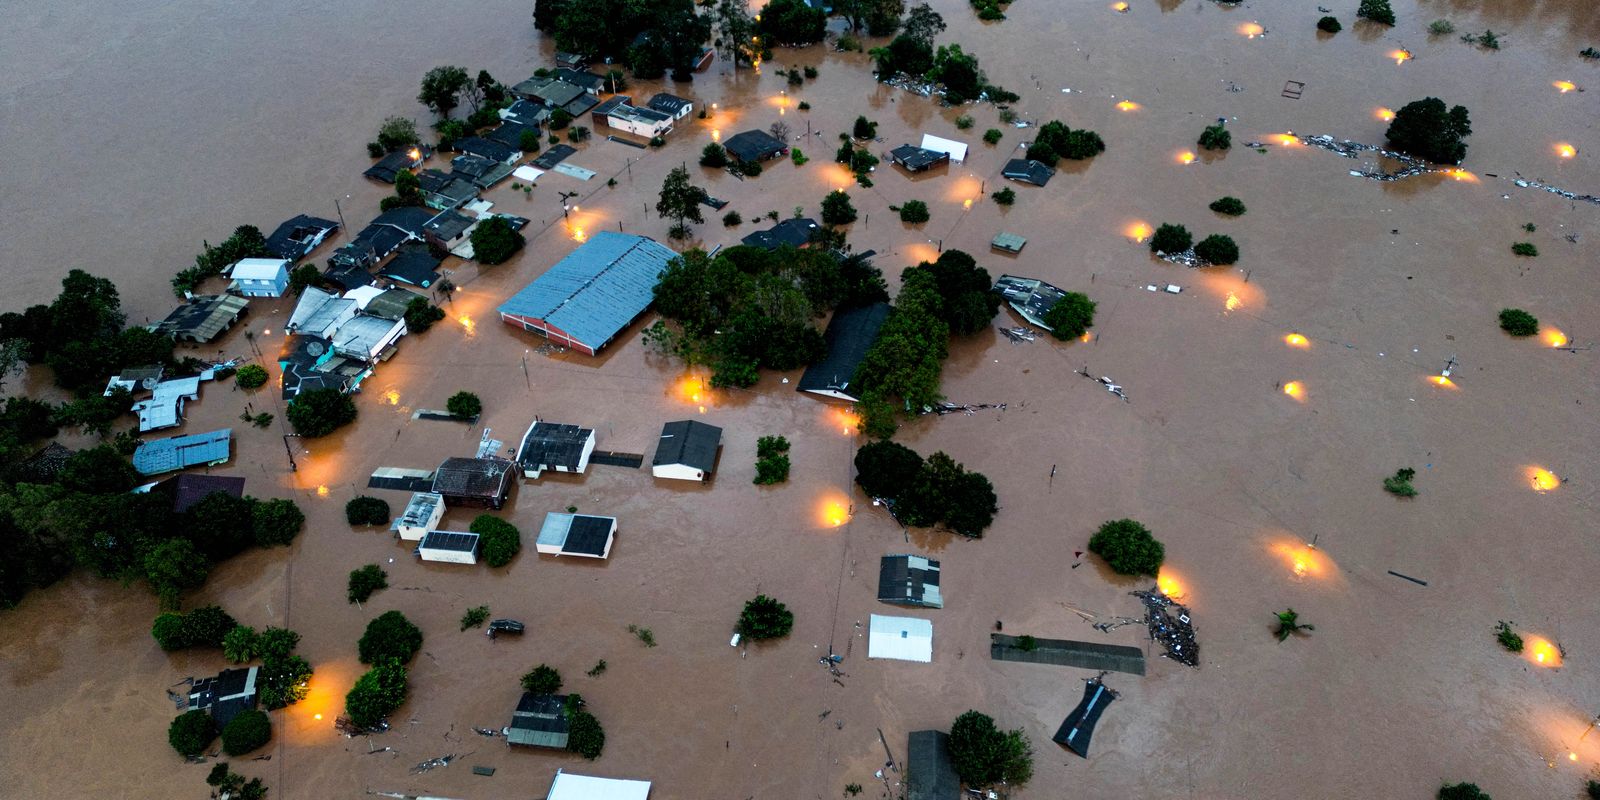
687 451
672 105
917 159
849 336
554 446
387 303
135 380
795 232
587 298
754 146
644 122
298 236
200 319
900 638
421 516
474 481
319 313
568 786
909 580
539 721
188 488
368 339
442 191
227 694
413 265
180 452
1008 242
308 362
930 775
391 164
586 535
1028 171
488 149
957 151
260 277
450 547
164 407
1029 297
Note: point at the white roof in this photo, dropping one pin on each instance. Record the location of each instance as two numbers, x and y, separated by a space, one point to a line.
259 269
527 173
900 638
568 786
957 150
363 295
365 334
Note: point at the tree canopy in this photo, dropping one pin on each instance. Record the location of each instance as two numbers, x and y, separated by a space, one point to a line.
365 510
1071 316
983 755
1056 141
543 679
680 201
319 412
1128 548
925 493
500 540
494 241
191 732
441 89
764 617
968 301
377 693
836 208
791 22
390 636
364 581
1424 128
1217 249
464 405
247 731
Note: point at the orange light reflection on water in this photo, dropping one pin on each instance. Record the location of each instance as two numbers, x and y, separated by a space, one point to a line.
1441 380
1400 56
1541 651
1553 337
1301 559
1564 86
1186 157
1541 479
1297 340
1251 30
1565 150
1385 114
1167 581
1296 390
1128 105
1138 231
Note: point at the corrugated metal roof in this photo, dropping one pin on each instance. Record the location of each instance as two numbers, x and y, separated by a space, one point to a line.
688 442
165 455
900 638
598 289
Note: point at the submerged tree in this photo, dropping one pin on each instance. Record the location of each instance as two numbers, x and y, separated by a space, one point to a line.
1424 128
441 89
1289 624
680 202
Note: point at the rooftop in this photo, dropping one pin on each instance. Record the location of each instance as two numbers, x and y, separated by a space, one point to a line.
391 304
410 219
454 541
753 146
188 489
689 442
487 148
419 510
1026 171
929 773
578 534
473 477
549 445
203 317
598 289
258 269
900 638
413 264
166 455
568 786
850 335
916 158
319 310
909 580
794 232
300 235
361 335
1030 297
539 721
669 104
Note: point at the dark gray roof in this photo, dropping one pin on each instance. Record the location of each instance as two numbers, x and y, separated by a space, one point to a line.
539 721
509 133
598 289
850 334
609 104
583 78
1078 727
1030 297
297 237
753 146
917 159
188 489
486 148
201 318
227 694
349 276
668 103
383 239
449 225
528 112
548 445
455 541
413 265
587 535
479 171
392 304
554 156
486 478
690 443
410 219
929 773
795 232
909 580
1026 171
390 165
445 191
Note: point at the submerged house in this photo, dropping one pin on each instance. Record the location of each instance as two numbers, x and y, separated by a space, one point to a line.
539 721
1027 171
164 407
930 775
449 230
917 159
644 122
553 446
586 535
200 319
188 488
368 339
385 303
474 481
227 694
568 786
319 313
260 277
909 580
687 451
180 452
390 165
672 105
589 297
451 547
900 638
308 362
413 264
488 149
849 336
1077 729
441 191
421 517
1029 297
795 232
754 146
298 236
479 171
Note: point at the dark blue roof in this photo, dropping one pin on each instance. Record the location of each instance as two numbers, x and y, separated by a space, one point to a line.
596 290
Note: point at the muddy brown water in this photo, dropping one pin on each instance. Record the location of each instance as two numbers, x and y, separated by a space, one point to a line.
139 133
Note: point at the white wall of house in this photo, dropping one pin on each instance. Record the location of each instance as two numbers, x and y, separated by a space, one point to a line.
447 556
412 530
640 127
678 472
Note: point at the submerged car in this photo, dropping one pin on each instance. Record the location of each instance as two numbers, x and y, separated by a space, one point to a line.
500 626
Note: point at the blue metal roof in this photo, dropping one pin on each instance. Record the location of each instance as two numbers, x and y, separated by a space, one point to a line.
596 290
166 455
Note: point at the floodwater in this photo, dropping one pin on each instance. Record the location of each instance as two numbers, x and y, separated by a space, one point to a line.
139 133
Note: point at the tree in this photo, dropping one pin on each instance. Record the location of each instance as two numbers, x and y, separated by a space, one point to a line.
967 302
1216 137
282 680
248 730
320 412
474 617
98 470
251 376
1056 141
239 645
1170 239
1517 322
407 190
944 491
494 241
913 212
207 626
1424 128
464 405
585 736
734 28
390 636
1217 249
984 755
1289 624
714 156
680 199
993 136
365 510
396 133
364 581
302 276
887 469
191 732
276 522
922 24
792 22
214 525
500 540
765 618
543 679
167 630
1231 206
1507 637
421 314
1376 10
772 461
1525 249
1004 197
963 80
904 55
277 642
1329 25
836 208
441 88
1128 548
1400 483
376 694
1071 316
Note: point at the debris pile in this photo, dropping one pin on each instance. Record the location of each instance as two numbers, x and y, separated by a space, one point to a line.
969 409
1019 334
1170 625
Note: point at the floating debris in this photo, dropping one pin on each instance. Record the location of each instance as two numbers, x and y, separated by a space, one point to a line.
1170 625
1019 334
969 409
434 763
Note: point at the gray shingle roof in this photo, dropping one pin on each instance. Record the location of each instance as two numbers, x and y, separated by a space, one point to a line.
850 335
457 541
929 773
753 146
690 443
472 477
598 289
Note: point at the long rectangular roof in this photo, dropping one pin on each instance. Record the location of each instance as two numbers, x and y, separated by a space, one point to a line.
690 443
900 638
909 580
929 773
598 289
472 477
455 541
551 444
568 786
166 455
850 335
580 534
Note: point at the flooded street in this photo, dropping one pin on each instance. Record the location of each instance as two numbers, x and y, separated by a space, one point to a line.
141 132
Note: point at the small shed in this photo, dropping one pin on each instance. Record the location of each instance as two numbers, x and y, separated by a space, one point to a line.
687 451
900 638
179 452
909 580
554 446
452 547
1078 727
957 151
1008 242
929 773
586 535
260 277
227 694
1028 171
568 786
917 159
474 481
539 721
164 407
421 516
754 146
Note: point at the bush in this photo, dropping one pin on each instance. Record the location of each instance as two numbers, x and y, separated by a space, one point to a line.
464 405
1517 322
1027 644
282 680
1217 249
585 736
276 522
421 315
1056 141
239 645
206 626
765 618
474 617
984 755
964 122
914 212
750 169
864 128
191 732
1592 790
1441 27
389 637
543 679
811 72
1231 206
1589 53
1377 11
992 136
1004 197
1459 791
250 376
797 157
494 241
1400 483
731 219
320 412
887 469
1507 637
836 208
772 465
1171 239
364 581
1329 25
365 510
1216 137
1525 249
376 694
1071 316
714 156
1128 548
804 106
1424 128
248 730
578 133
500 540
